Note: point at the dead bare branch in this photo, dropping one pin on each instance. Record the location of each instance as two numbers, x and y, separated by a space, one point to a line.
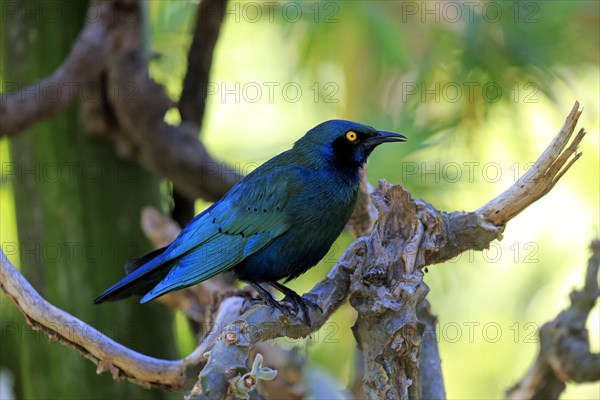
69 331
541 177
386 284
209 18
124 363
564 344
411 234
380 272
170 151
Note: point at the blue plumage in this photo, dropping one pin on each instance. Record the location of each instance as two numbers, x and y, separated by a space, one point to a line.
276 223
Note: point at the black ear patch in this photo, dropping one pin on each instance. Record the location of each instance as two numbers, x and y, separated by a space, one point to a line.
345 151
342 145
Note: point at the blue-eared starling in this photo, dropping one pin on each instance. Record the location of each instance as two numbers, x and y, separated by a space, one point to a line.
275 224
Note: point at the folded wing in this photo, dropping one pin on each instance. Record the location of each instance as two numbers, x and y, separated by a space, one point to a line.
247 220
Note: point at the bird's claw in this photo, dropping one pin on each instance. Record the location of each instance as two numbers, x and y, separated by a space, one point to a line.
293 301
312 304
290 306
300 303
286 309
249 301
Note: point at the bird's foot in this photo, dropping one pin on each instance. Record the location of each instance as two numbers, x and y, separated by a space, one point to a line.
291 305
268 300
298 302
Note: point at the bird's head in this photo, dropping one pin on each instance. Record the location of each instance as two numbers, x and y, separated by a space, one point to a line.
346 143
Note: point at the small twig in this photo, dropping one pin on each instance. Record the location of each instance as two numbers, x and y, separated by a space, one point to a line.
541 177
192 103
564 344
209 18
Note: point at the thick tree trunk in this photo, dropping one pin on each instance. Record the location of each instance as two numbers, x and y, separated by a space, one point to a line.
78 210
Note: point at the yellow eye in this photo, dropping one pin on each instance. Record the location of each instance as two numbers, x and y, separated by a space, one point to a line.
351 136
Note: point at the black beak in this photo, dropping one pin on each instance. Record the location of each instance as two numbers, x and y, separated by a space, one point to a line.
384 137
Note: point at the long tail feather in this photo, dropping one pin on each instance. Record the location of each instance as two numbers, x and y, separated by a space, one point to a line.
135 263
144 273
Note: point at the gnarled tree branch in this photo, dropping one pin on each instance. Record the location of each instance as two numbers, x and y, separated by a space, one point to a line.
541 177
386 282
564 344
209 18
171 151
60 326
409 235
192 103
108 52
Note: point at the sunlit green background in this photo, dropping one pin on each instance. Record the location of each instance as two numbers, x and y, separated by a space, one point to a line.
430 70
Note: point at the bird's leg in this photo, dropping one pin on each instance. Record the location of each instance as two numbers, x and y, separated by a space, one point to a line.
296 300
265 298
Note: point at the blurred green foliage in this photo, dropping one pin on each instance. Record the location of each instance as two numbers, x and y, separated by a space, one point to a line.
480 88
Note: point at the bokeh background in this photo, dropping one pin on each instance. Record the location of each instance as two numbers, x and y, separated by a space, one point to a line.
479 88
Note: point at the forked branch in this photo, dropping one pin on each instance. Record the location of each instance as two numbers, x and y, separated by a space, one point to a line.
565 345
382 268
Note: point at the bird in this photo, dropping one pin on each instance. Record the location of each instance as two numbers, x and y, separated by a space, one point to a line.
276 223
